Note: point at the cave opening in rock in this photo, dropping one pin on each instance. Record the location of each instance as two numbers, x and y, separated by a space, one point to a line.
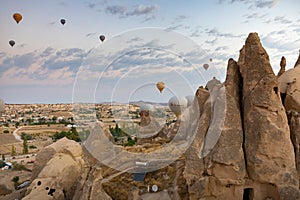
248 194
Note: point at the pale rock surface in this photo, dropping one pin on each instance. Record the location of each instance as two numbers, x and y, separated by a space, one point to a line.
294 122
282 66
269 151
56 172
220 175
289 83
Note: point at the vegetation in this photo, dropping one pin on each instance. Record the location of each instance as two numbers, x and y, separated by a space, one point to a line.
3 157
27 136
32 147
19 167
119 133
13 150
2 163
25 146
6 131
71 134
130 142
17 124
15 180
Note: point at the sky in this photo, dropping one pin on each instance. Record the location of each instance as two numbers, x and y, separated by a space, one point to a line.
146 42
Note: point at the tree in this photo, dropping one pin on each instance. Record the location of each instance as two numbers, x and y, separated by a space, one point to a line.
3 157
25 146
17 124
15 180
13 150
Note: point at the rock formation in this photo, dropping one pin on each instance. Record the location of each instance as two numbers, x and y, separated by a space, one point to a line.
282 66
289 83
294 122
269 153
56 171
298 60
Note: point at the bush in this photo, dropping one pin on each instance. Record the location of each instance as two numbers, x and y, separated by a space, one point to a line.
18 167
2 163
130 142
25 135
15 180
32 147
6 131
71 135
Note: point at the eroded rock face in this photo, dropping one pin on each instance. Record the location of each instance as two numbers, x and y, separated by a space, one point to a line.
282 66
289 83
294 122
220 174
269 151
56 172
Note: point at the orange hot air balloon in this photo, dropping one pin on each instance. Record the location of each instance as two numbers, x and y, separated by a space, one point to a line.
160 86
18 17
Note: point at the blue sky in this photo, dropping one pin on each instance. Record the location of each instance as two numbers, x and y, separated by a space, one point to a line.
43 65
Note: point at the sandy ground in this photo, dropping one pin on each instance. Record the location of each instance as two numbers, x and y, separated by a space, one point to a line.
41 133
7 139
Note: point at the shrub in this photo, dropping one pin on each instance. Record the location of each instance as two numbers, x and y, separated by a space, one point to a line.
27 136
71 135
15 180
6 131
2 163
32 147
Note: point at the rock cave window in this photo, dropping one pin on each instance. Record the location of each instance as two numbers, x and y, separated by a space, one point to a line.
248 194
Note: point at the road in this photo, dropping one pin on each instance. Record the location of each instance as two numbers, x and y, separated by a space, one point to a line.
16 135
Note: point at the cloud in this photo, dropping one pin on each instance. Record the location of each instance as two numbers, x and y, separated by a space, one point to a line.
143 10
90 34
282 20
41 67
135 39
172 28
181 17
140 10
222 48
253 3
215 32
280 42
266 4
115 10
211 41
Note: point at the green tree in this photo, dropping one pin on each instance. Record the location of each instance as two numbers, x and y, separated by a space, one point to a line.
25 146
2 163
15 180
3 157
13 150
17 124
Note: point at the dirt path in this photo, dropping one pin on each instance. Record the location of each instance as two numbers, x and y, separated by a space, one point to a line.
17 137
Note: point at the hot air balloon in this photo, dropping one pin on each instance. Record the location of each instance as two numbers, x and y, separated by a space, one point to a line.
178 105
11 43
18 17
205 66
63 21
210 59
160 86
190 99
102 38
